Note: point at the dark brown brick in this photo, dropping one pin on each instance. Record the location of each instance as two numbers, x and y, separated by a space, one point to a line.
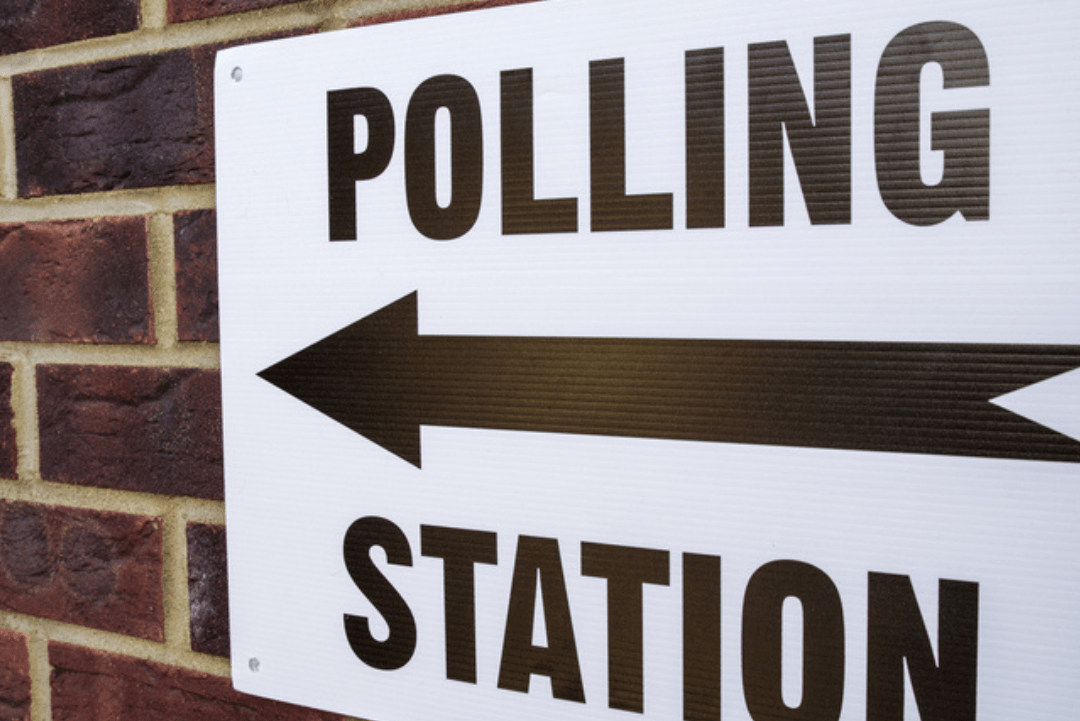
208 589
31 24
432 11
9 451
153 430
14 677
136 122
196 275
76 281
131 123
93 685
90 568
181 11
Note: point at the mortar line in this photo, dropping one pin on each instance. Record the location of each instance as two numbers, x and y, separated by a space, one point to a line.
155 35
175 579
153 14
40 677
94 498
162 258
109 642
9 182
349 11
150 40
135 201
198 510
204 356
25 420
194 510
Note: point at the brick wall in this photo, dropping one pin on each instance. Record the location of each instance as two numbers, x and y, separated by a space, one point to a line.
113 593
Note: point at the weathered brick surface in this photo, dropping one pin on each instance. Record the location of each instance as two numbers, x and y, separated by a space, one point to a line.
130 123
31 24
91 568
432 11
9 451
196 275
154 430
75 281
90 685
180 11
136 122
14 677
208 589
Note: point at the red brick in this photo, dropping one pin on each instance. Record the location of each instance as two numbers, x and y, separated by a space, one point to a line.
208 589
90 685
89 568
196 275
76 281
153 430
181 11
31 24
14 677
432 11
135 122
9 451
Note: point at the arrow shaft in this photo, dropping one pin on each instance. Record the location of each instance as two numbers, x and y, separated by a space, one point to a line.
925 398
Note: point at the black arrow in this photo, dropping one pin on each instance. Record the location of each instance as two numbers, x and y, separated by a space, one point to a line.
383 380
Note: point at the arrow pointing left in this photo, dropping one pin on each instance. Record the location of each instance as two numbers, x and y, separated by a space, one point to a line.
384 381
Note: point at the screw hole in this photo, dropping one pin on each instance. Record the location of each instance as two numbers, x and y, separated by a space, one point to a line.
237 74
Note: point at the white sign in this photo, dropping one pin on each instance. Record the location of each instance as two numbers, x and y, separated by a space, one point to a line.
695 360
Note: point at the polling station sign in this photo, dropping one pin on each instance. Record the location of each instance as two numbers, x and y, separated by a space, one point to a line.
686 360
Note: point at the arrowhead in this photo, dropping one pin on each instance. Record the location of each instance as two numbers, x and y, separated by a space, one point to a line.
1052 403
365 376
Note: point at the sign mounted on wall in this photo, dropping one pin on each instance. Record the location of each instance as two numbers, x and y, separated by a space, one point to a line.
700 361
